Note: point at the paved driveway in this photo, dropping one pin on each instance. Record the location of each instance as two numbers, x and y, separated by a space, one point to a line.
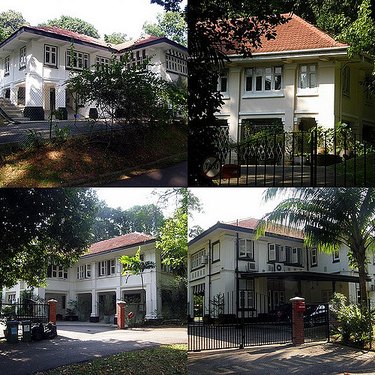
310 359
77 343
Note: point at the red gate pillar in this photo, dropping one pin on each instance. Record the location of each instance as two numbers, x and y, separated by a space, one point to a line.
298 330
121 314
52 310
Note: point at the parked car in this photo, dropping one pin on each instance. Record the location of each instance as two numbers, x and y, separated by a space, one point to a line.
315 315
282 313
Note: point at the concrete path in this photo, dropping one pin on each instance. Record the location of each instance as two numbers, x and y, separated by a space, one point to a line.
309 359
175 175
81 342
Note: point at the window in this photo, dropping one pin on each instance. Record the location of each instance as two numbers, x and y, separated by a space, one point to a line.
22 63
336 256
77 60
263 79
314 257
11 298
84 272
197 259
57 272
271 252
294 257
307 77
246 291
7 65
102 62
280 253
175 61
246 248
346 81
215 251
107 267
50 55
223 81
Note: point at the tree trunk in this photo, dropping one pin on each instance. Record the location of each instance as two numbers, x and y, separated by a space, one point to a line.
361 257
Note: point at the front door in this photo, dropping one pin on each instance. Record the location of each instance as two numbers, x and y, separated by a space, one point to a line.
52 99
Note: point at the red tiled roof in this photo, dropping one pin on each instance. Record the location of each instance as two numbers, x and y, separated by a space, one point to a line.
70 34
251 223
118 242
88 39
296 35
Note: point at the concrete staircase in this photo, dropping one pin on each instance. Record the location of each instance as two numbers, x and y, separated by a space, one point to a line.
13 111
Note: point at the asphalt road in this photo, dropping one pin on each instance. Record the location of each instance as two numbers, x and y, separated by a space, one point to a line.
175 175
78 343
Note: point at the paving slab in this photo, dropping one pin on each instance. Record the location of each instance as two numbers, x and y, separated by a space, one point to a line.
311 359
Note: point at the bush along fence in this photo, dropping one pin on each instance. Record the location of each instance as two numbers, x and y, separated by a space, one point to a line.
334 157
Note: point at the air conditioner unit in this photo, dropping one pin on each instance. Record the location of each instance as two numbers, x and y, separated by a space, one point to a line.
204 259
251 266
271 268
279 267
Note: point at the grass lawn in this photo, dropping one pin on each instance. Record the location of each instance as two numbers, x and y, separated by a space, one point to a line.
163 360
84 159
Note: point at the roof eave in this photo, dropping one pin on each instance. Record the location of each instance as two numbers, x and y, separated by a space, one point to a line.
321 52
153 42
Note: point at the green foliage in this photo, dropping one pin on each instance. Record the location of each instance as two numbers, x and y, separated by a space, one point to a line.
352 323
61 134
41 227
131 92
74 24
169 24
34 140
174 299
10 21
116 38
111 222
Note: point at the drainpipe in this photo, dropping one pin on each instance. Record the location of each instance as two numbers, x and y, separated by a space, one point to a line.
209 277
237 279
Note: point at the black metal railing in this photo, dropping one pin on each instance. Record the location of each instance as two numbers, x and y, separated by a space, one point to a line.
36 312
314 158
237 335
316 322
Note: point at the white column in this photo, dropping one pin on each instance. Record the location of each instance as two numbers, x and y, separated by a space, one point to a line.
94 304
13 93
234 101
290 93
33 91
151 295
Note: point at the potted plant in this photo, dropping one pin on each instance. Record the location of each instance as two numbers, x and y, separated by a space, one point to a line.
71 311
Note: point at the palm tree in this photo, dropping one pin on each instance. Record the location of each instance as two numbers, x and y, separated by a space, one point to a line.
135 265
330 218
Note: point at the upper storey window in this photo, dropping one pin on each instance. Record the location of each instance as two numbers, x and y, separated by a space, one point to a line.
308 79
22 62
176 62
50 55
77 60
263 80
7 65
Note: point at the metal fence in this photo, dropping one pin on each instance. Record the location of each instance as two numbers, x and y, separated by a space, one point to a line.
317 323
226 336
313 158
36 312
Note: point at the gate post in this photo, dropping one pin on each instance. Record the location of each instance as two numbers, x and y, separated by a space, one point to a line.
121 314
298 330
52 310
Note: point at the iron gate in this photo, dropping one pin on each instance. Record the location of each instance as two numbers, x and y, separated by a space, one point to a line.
296 159
35 312
316 322
238 335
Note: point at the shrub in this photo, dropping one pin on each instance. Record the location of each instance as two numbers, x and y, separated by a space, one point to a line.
352 324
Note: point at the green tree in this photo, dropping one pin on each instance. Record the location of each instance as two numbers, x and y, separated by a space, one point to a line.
173 236
330 218
116 38
40 227
111 222
169 24
134 265
124 90
10 21
74 24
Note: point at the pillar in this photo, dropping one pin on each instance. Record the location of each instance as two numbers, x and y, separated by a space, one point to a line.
121 314
94 316
52 310
298 329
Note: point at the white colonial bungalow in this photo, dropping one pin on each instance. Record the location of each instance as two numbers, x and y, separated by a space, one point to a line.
301 79
93 285
35 63
232 273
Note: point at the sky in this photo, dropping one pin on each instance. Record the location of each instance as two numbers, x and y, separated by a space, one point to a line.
125 16
227 204
129 197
